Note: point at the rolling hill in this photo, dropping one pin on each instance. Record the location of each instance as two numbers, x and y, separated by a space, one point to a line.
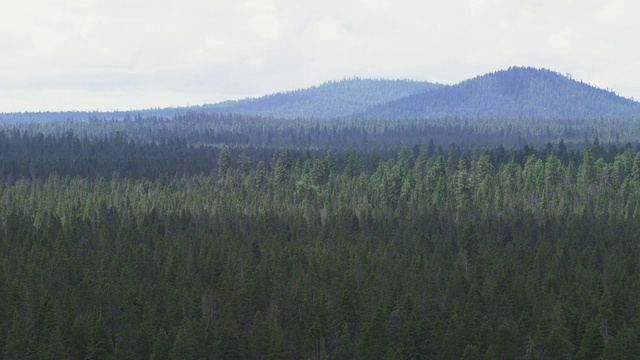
519 92
330 100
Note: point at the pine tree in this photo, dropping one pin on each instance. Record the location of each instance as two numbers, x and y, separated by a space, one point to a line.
277 347
15 345
80 336
227 346
161 347
100 345
224 162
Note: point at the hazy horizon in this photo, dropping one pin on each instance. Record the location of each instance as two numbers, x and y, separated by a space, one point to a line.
129 55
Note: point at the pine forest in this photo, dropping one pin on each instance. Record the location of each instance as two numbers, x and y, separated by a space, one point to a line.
234 236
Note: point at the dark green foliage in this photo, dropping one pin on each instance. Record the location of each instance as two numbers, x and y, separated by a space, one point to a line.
228 346
224 161
17 340
162 346
99 344
507 253
78 342
624 346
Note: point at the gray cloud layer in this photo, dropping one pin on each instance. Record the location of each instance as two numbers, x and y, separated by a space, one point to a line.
117 54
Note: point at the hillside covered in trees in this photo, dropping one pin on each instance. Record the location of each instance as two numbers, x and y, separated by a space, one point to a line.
220 235
518 92
515 93
326 101
329 100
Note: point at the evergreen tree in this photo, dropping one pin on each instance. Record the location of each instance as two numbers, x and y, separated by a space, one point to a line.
224 161
15 345
100 345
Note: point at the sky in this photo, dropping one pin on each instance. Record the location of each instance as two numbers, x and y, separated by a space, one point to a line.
58 55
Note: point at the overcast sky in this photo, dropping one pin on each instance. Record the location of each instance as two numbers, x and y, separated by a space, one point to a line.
131 54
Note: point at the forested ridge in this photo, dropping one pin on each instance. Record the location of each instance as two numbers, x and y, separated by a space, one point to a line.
329 100
156 238
195 129
518 92
514 94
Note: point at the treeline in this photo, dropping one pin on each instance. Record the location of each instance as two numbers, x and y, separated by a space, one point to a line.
26 153
354 134
526 254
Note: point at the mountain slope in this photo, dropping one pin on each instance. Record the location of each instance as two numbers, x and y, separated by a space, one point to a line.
518 92
329 100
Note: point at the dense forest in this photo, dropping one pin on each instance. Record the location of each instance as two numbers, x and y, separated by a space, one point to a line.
234 236
262 136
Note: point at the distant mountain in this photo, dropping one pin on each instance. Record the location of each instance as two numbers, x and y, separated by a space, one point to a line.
329 100
519 92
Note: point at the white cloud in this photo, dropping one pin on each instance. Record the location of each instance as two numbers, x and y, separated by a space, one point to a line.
89 54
